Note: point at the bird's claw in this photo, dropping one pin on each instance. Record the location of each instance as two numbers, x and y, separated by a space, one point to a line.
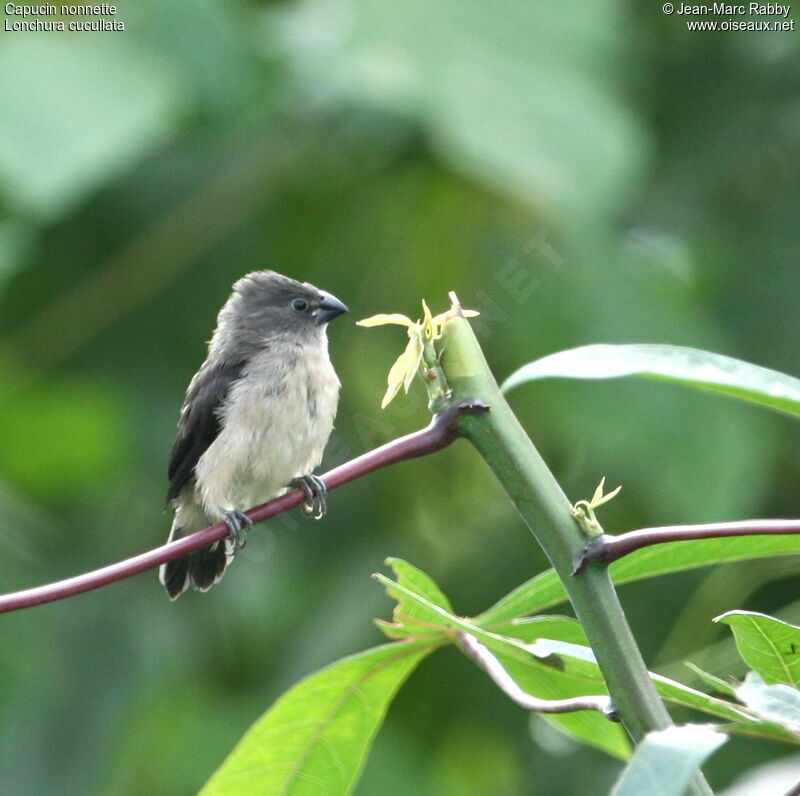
316 502
238 523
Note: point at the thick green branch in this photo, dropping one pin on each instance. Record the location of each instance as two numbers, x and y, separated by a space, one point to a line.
507 449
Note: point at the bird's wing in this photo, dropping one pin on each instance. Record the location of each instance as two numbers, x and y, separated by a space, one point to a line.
200 421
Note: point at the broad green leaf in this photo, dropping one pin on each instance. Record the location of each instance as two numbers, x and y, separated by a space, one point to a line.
315 738
419 582
412 618
545 590
778 703
666 760
767 645
537 594
689 366
679 556
419 614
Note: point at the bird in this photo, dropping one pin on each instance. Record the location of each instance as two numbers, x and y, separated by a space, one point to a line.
255 421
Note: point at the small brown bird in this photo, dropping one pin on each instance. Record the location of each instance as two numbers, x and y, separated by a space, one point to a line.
256 418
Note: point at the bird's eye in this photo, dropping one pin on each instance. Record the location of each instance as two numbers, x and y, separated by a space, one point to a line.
301 305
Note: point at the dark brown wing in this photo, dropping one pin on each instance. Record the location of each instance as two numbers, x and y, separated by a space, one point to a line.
199 423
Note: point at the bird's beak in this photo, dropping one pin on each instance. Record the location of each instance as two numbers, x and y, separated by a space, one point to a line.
329 308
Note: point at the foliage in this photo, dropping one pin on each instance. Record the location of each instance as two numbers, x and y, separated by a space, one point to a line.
315 738
713 372
770 647
316 735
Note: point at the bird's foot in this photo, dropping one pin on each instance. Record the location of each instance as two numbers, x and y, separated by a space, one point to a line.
316 503
238 524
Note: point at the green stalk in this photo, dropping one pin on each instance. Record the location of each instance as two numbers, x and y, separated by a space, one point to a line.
509 452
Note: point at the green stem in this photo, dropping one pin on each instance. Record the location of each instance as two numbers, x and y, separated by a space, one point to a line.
507 449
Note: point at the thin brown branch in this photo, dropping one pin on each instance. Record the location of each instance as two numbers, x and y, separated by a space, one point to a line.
441 431
492 666
606 548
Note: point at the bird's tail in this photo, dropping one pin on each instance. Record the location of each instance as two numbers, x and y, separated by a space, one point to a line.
200 570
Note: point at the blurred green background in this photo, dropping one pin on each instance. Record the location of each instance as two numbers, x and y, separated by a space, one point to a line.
578 172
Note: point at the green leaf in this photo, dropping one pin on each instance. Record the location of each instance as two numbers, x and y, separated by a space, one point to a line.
767 645
680 556
537 594
422 584
688 366
412 618
778 703
545 590
315 738
666 760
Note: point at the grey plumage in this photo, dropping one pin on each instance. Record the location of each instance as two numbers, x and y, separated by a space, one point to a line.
257 414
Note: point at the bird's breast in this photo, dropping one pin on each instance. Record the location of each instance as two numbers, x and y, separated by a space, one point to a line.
275 424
